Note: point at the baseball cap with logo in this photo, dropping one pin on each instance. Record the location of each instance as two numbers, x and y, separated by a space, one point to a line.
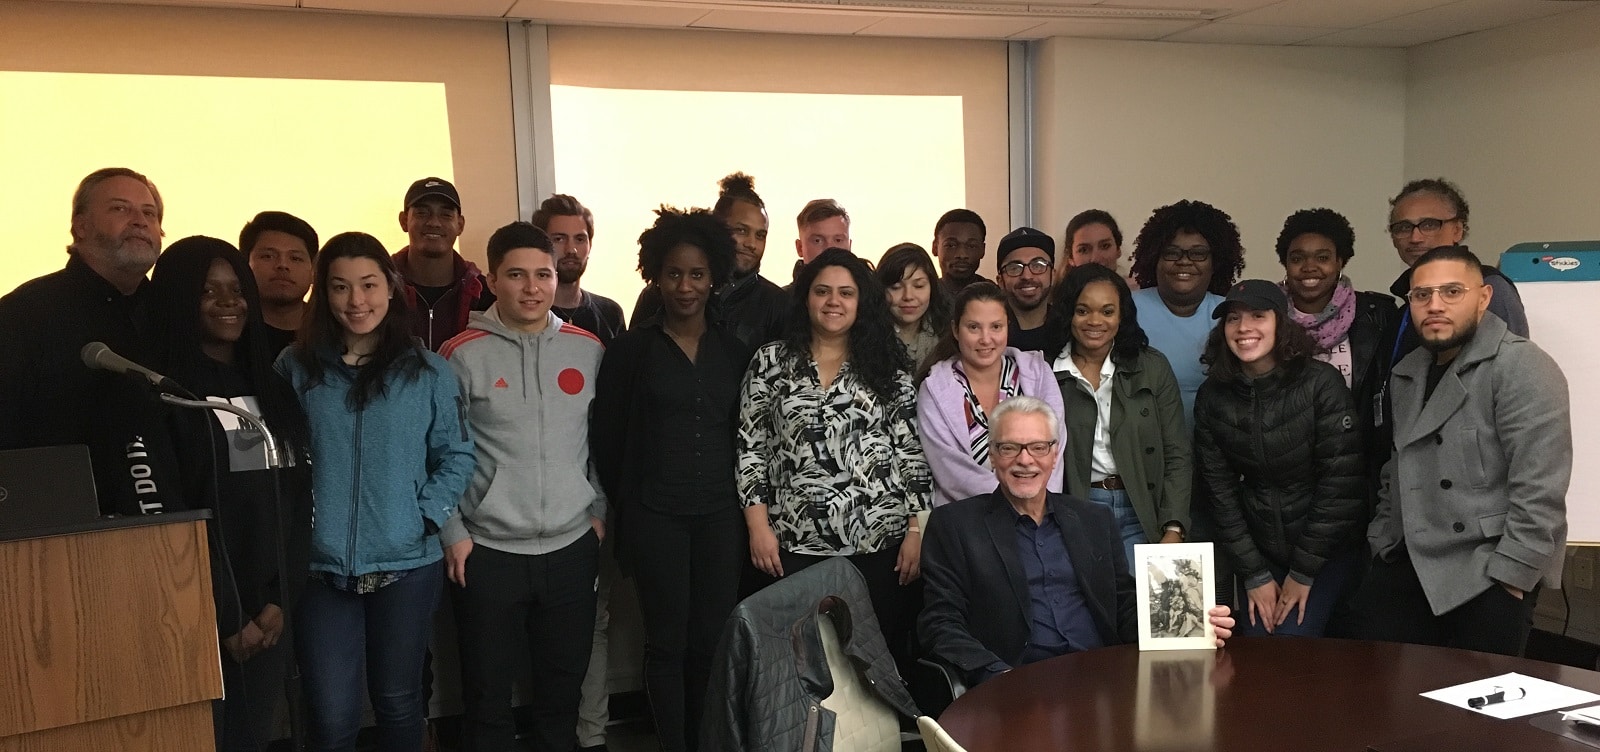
1254 295
432 188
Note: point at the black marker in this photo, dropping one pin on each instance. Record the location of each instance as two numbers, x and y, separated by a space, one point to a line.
1495 698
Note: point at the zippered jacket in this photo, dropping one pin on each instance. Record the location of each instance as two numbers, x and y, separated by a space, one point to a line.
387 477
1282 461
436 324
528 396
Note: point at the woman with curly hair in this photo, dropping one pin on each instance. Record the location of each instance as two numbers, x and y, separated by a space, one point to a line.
919 304
1186 257
666 411
1281 462
1131 447
829 459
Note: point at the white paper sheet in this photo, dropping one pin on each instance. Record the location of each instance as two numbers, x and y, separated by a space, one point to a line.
1541 696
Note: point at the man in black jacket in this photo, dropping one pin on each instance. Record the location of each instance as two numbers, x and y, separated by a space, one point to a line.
47 395
1022 574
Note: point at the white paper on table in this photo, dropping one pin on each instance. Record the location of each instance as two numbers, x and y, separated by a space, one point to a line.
1589 715
1541 696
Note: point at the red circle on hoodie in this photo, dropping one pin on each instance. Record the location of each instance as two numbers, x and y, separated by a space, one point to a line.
570 380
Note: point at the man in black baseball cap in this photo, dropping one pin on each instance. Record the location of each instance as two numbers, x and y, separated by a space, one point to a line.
442 287
1026 259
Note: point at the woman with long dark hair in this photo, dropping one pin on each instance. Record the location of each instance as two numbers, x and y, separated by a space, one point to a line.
666 412
918 303
1277 448
829 460
1124 409
212 339
970 370
393 456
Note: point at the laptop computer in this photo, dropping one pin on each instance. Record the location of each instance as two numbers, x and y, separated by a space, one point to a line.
45 488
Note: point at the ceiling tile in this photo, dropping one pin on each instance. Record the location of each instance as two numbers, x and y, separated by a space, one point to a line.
786 21
212 3
1218 32
1465 16
1227 6
1344 14
470 8
1096 29
963 27
580 13
1371 37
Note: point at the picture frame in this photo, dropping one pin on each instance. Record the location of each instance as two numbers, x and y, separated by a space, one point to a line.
1175 587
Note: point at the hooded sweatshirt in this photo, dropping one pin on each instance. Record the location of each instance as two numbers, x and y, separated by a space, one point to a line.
528 398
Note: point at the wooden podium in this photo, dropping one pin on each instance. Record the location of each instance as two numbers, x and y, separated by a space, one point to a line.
108 638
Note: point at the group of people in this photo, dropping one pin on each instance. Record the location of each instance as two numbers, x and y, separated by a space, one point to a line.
505 439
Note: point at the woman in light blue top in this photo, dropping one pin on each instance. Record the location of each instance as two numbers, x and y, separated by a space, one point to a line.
391 456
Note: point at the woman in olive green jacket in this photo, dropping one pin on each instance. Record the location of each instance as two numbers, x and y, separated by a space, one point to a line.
1128 447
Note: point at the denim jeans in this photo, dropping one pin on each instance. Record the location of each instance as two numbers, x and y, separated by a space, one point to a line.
1127 519
378 639
1326 589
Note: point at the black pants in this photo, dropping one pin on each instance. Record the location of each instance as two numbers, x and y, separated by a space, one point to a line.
686 570
545 602
245 720
1393 607
895 605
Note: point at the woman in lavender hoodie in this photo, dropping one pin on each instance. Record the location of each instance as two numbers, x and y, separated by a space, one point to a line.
970 371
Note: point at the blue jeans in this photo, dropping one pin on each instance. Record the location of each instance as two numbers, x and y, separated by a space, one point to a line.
379 637
1326 589
1127 519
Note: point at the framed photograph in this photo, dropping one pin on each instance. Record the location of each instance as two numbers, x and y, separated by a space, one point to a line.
1175 585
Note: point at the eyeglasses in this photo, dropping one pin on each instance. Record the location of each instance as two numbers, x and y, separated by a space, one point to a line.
1010 449
1016 268
1451 293
1198 254
1427 225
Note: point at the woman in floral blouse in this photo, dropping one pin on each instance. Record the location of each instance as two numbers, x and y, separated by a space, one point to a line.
829 459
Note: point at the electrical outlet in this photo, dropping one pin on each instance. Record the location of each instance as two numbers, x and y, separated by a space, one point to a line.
1580 571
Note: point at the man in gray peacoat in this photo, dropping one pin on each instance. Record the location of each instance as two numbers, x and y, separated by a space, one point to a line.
1472 509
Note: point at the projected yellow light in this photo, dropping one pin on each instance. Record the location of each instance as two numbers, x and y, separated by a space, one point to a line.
894 162
339 154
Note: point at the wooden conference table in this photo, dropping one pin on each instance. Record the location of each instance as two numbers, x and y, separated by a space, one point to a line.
1269 694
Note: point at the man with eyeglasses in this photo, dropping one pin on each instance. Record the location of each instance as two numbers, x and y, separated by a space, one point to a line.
1425 215
1025 260
1022 574
442 287
1471 517
958 243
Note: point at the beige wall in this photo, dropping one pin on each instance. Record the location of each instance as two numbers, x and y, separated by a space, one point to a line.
1258 132
469 58
975 71
1511 116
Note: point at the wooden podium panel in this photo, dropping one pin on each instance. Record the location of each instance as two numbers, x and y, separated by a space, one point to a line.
108 638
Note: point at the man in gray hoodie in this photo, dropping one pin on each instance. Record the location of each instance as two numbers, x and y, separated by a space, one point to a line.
523 547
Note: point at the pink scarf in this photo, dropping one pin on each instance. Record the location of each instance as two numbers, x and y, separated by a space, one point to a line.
1332 325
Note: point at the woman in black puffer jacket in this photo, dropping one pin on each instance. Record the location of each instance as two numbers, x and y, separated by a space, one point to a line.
1277 447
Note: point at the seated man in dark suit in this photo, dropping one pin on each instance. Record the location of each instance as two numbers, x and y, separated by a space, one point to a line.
1022 574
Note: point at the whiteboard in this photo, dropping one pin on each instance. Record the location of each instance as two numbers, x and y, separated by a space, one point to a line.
1562 299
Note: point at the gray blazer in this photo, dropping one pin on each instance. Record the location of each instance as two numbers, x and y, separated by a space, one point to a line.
1477 485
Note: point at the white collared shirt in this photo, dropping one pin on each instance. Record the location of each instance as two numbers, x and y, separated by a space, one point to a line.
1101 463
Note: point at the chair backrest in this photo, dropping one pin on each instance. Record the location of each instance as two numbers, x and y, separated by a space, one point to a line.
934 737
863 721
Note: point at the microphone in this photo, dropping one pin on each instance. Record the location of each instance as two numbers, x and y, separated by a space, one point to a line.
99 357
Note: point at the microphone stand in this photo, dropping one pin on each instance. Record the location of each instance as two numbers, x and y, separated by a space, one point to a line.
275 463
